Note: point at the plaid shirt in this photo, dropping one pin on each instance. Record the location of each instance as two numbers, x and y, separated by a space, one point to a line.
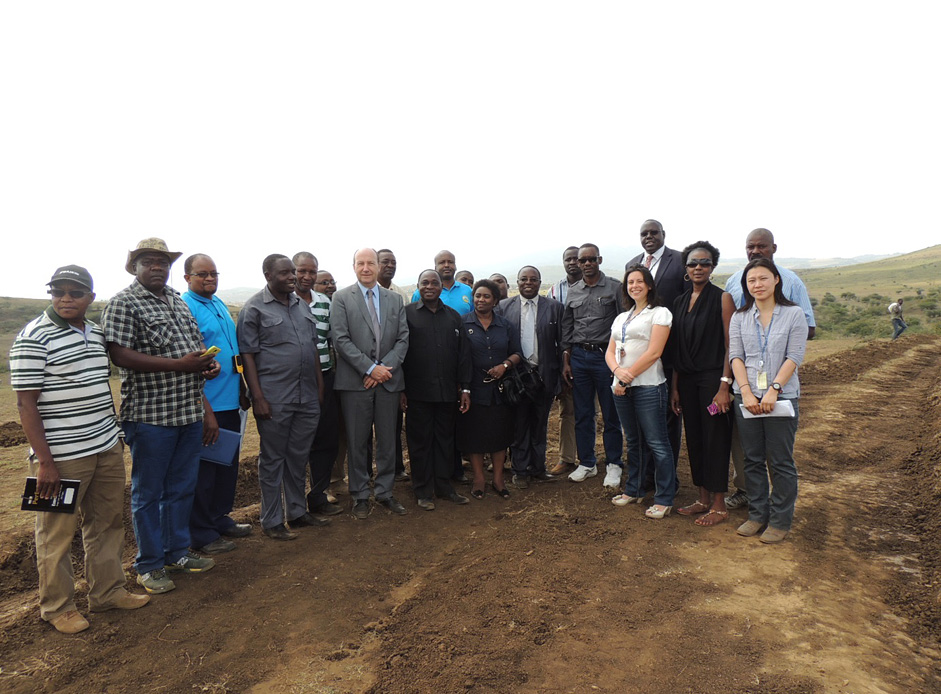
136 319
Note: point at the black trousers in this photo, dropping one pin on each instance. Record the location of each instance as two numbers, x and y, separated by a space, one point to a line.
215 491
323 451
708 437
529 443
429 431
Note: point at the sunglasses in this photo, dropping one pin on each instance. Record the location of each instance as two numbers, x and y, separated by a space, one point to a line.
74 293
203 275
705 262
588 259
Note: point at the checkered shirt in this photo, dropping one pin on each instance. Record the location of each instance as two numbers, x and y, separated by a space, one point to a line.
136 319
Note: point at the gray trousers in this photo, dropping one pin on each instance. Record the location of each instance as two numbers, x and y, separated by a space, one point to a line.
285 441
362 410
769 439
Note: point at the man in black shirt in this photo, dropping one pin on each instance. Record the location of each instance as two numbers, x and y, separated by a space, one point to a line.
437 370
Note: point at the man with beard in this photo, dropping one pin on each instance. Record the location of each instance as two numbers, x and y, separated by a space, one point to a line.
210 523
539 322
437 373
278 341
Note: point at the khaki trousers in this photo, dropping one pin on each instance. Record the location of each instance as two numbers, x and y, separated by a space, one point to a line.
101 505
567 452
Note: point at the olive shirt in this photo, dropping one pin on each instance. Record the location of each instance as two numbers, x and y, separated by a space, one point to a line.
283 341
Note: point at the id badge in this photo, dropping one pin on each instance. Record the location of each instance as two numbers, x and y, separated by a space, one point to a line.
762 380
620 354
237 362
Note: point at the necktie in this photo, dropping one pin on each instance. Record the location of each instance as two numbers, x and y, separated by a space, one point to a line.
648 261
528 329
377 331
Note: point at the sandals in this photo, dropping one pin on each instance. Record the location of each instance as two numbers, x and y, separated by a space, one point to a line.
503 493
624 500
477 493
712 517
693 509
657 511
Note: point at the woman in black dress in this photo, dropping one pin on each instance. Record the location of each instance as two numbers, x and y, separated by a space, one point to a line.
488 426
702 380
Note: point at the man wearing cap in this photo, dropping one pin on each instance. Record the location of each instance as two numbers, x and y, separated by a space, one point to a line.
59 370
154 339
210 524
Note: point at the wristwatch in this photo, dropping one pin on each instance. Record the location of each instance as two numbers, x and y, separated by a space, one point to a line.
776 386
727 379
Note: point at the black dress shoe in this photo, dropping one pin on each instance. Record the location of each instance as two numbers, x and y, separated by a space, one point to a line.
327 509
238 530
461 479
543 477
520 482
279 532
393 505
457 498
308 521
217 546
362 509
402 476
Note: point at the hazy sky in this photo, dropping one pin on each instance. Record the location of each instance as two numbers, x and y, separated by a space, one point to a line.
242 129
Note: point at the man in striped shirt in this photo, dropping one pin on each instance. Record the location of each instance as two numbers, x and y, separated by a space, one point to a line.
59 370
323 451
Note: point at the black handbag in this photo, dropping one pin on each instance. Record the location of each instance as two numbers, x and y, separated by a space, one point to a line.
522 383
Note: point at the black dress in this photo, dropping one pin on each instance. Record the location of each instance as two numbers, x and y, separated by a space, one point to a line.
698 344
488 426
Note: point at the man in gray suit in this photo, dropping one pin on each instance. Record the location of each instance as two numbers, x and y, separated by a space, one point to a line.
370 335
539 321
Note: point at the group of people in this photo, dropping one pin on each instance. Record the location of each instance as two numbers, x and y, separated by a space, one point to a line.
323 370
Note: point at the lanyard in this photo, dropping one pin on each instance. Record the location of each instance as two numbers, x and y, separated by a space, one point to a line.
763 344
628 322
223 325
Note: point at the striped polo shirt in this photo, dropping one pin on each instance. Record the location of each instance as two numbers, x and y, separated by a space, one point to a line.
320 310
71 371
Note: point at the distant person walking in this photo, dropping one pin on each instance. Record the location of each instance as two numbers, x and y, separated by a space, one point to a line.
895 310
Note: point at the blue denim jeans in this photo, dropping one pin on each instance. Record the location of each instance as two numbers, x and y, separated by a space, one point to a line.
900 327
592 377
165 465
771 439
643 414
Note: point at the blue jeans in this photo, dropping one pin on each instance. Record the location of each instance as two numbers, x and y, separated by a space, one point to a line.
165 465
771 439
592 377
900 327
643 414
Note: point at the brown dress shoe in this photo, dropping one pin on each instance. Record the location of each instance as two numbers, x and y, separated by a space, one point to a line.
70 622
560 468
126 601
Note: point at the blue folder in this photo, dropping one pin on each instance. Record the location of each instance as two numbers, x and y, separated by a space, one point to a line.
224 449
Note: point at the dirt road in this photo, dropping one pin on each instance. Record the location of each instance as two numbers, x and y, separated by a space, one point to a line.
556 590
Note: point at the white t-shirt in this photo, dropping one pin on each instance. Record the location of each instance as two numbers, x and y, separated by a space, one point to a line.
632 337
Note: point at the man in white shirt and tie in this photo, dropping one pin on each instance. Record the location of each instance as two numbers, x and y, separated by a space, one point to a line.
539 321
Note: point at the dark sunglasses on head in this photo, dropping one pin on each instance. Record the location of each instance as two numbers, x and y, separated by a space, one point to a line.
588 259
203 275
74 293
705 262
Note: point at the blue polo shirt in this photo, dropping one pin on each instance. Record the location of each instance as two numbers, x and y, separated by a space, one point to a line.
457 297
217 329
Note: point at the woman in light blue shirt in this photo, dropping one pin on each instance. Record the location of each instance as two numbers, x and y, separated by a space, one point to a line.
767 338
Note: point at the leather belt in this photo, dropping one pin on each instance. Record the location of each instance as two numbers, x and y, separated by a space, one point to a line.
593 346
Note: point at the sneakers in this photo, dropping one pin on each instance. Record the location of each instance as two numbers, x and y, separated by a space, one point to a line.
190 563
156 581
737 500
583 472
612 476
750 528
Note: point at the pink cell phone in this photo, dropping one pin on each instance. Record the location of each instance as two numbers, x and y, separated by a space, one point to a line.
713 409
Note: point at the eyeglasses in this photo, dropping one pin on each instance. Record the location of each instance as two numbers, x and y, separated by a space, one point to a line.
326 282
74 293
705 262
588 259
204 275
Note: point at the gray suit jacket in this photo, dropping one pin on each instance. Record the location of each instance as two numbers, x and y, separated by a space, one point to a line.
354 342
548 337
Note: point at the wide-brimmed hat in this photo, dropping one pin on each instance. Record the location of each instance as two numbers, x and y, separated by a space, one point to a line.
73 273
151 245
